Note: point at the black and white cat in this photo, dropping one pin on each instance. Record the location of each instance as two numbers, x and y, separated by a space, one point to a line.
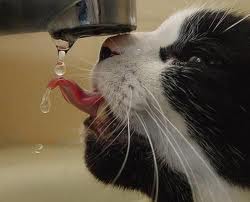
177 125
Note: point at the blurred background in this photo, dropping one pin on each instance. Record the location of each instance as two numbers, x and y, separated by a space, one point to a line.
41 154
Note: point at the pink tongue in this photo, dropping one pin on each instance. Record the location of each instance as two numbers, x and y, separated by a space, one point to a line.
85 101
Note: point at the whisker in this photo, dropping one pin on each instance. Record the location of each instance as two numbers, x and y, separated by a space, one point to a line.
154 157
106 128
76 76
119 134
95 158
235 24
80 67
98 116
129 141
222 19
215 18
87 62
87 69
192 148
176 152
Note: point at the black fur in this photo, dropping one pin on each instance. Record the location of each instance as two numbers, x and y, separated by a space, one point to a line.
213 96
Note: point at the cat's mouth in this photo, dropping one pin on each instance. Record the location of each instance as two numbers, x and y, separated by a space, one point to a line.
103 124
92 103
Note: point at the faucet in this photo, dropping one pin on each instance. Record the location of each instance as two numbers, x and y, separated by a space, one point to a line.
64 18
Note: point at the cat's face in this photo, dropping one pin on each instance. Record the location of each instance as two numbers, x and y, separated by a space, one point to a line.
177 119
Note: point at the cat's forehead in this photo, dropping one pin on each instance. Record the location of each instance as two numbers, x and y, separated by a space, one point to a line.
209 21
169 31
205 28
177 19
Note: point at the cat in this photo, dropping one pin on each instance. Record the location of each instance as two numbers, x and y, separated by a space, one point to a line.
176 121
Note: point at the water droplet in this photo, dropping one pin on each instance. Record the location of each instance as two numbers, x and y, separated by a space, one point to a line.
60 68
63 46
61 55
46 104
37 149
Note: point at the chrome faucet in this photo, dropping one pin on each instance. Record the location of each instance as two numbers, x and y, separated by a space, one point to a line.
63 18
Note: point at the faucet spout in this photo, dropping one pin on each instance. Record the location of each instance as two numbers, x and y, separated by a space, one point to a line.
64 18
94 17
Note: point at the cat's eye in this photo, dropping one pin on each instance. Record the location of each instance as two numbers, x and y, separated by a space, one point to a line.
195 59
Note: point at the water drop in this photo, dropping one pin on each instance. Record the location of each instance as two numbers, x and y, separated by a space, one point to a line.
63 46
61 55
46 104
60 68
38 148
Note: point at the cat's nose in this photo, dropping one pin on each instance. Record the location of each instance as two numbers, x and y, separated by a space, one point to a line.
109 49
105 53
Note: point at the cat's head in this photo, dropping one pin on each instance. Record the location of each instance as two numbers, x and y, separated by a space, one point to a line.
178 108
